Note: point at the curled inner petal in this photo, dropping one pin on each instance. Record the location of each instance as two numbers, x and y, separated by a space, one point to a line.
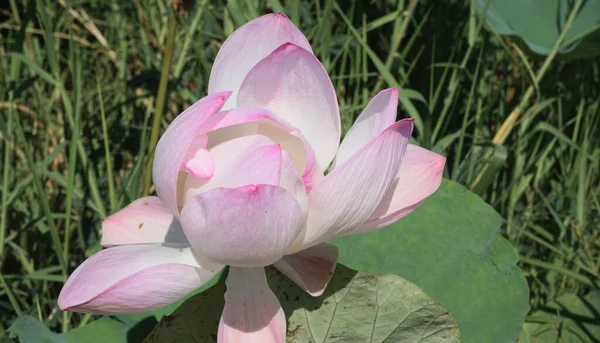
238 162
251 121
226 137
198 161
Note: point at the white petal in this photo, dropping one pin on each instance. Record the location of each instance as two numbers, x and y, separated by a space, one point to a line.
348 195
379 114
249 226
239 162
134 278
420 175
292 83
145 220
247 46
172 148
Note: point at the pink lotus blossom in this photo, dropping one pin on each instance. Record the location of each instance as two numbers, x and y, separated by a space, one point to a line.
240 182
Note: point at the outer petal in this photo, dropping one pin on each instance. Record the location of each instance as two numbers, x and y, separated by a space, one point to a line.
252 313
172 148
311 269
145 220
250 226
348 195
379 114
420 175
247 46
292 83
134 278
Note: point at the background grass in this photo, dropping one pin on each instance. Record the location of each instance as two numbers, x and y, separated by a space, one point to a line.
81 85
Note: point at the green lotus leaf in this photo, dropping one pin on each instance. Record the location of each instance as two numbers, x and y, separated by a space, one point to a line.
540 22
450 248
357 307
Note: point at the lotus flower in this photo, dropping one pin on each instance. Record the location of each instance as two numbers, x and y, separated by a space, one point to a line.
240 178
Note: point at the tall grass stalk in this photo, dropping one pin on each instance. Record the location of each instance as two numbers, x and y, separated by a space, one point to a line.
160 102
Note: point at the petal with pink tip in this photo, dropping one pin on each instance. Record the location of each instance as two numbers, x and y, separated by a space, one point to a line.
311 269
239 162
145 220
134 278
250 226
379 114
254 159
172 148
239 122
292 83
247 46
420 175
252 313
348 195
197 160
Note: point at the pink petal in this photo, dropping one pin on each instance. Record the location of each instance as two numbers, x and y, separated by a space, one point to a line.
312 173
420 175
348 195
238 122
291 181
311 269
379 114
247 46
249 226
172 148
197 160
134 278
145 220
250 160
252 313
292 83
238 162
